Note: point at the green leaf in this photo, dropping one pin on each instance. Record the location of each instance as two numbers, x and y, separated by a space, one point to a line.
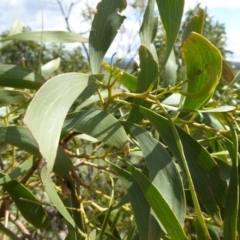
162 171
127 80
48 36
105 25
220 109
211 83
174 99
18 171
62 164
98 124
8 232
147 225
141 210
18 77
105 219
27 203
159 204
214 232
204 66
56 200
48 109
199 231
194 25
170 72
72 203
148 76
48 69
111 233
23 139
148 28
154 198
232 200
140 206
171 13
8 97
71 234
200 164
209 120
15 29
92 235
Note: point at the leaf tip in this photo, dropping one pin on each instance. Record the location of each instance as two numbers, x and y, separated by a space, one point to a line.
123 5
126 148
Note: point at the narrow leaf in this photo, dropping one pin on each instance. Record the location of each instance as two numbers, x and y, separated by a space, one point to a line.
105 25
18 77
220 109
17 172
148 29
56 200
48 36
159 205
148 76
98 124
171 13
8 232
162 171
8 97
27 203
232 200
209 120
200 163
23 139
170 72
48 109
141 210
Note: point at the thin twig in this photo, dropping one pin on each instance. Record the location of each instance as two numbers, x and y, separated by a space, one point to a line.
20 226
66 17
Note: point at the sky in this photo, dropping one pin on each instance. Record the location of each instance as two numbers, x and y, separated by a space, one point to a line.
46 14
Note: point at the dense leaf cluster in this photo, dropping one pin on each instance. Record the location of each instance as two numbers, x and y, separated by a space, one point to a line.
114 155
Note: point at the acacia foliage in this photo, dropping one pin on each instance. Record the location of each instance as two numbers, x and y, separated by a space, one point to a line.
86 159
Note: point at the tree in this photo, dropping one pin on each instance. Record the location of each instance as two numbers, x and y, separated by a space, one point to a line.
143 162
30 54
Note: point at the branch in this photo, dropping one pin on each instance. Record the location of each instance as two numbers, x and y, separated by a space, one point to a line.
20 226
66 17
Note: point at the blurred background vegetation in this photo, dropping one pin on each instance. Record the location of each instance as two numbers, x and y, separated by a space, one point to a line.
76 59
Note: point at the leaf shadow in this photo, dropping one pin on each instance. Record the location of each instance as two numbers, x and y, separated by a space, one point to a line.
97 124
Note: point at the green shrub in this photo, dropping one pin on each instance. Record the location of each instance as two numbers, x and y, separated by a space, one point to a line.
85 159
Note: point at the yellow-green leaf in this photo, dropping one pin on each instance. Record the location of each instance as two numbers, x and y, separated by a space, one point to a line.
203 63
